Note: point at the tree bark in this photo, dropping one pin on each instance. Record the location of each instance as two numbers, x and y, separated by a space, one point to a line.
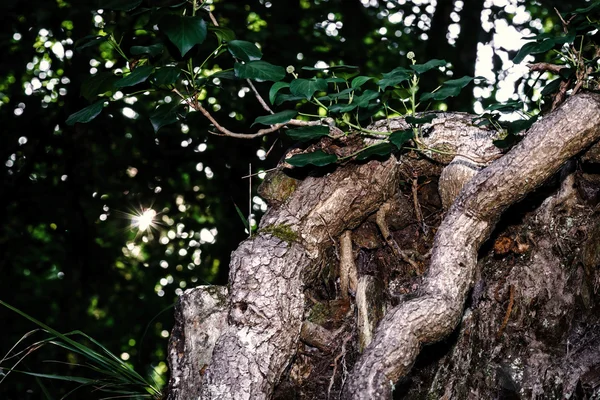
398 339
275 277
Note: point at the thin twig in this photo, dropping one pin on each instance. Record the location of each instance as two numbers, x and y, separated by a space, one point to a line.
262 102
335 364
259 172
565 24
271 148
543 66
213 19
419 214
584 76
389 239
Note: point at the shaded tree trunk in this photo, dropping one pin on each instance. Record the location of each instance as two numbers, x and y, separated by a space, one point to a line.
355 269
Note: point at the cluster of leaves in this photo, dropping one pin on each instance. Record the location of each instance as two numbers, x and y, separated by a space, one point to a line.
340 93
570 57
169 64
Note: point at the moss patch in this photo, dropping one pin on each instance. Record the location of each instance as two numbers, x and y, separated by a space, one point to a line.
283 232
277 187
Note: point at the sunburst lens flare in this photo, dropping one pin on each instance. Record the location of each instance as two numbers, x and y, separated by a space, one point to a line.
145 220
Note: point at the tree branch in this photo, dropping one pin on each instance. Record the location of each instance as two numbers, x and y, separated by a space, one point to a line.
543 66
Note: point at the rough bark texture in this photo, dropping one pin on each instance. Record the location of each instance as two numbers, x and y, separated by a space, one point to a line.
200 317
292 331
266 277
436 312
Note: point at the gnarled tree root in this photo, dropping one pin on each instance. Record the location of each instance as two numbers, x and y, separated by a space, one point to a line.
267 275
567 131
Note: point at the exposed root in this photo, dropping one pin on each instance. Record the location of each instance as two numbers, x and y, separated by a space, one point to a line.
568 130
385 232
342 356
317 336
418 212
348 273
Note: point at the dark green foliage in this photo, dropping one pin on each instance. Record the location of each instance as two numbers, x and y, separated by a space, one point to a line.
259 71
277 118
318 158
243 50
307 87
184 32
399 138
381 149
138 75
166 114
307 133
87 114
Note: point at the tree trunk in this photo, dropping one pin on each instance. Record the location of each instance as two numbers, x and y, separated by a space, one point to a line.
354 269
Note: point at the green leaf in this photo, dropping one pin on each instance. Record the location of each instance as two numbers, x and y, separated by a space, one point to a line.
420 120
87 114
394 77
259 71
68 378
307 133
224 35
138 75
381 149
228 74
534 48
278 118
365 113
335 80
153 50
90 40
243 50
551 87
346 75
100 83
566 73
342 108
568 38
365 98
277 86
166 75
120 5
450 88
398 138
431 64
343 95
184 32
360 80
281 98
166 114
242 217
509 106
586 9
318 158
307 87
